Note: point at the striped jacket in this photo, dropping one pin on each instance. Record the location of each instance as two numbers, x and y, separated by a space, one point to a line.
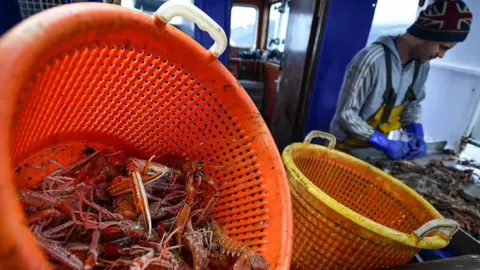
363 87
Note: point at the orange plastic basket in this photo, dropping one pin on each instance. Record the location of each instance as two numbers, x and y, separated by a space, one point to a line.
349 215
106 75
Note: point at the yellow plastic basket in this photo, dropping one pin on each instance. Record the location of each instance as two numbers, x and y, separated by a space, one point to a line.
350 215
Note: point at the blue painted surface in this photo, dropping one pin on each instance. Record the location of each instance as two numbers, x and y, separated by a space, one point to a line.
437 254
346 31
9 15
219 11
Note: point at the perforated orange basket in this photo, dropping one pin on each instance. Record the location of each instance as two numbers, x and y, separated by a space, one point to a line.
107 75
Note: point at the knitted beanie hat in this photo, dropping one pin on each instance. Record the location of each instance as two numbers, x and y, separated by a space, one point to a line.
443 20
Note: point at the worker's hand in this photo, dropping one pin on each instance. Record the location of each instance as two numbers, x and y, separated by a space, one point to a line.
418 148
393 149
417 144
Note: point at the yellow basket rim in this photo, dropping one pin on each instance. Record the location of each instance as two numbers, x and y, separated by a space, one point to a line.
431 242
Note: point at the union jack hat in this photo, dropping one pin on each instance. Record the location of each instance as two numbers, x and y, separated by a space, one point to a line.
443 20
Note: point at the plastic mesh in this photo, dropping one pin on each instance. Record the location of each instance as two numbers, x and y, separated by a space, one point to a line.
30 7
117 93
323 237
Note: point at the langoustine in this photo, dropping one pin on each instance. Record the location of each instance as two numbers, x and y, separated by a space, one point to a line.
113 211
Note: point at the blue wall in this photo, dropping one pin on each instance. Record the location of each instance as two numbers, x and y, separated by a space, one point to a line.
219 11
346 31
9 14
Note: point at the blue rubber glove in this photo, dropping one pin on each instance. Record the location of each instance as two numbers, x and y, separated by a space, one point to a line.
417 144
393 149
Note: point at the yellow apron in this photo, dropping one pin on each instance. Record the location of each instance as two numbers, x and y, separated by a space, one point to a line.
375 122
387 118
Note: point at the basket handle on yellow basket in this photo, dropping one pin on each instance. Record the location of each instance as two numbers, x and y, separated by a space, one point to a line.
331 140
189 11
447 227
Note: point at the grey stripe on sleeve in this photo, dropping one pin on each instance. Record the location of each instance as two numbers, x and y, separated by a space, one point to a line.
356 90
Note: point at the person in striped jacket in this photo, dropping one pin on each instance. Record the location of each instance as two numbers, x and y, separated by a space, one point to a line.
384 84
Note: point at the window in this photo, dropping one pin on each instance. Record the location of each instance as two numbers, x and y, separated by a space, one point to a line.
277 26
392 17
243 26
150 6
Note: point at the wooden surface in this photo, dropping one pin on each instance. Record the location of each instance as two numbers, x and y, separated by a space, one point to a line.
254 68
271 72
467 262
295 66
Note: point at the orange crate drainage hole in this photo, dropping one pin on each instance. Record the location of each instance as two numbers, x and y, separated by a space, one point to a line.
42 163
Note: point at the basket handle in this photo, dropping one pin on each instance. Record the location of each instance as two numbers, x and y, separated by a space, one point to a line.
331 140
446 226
189 11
